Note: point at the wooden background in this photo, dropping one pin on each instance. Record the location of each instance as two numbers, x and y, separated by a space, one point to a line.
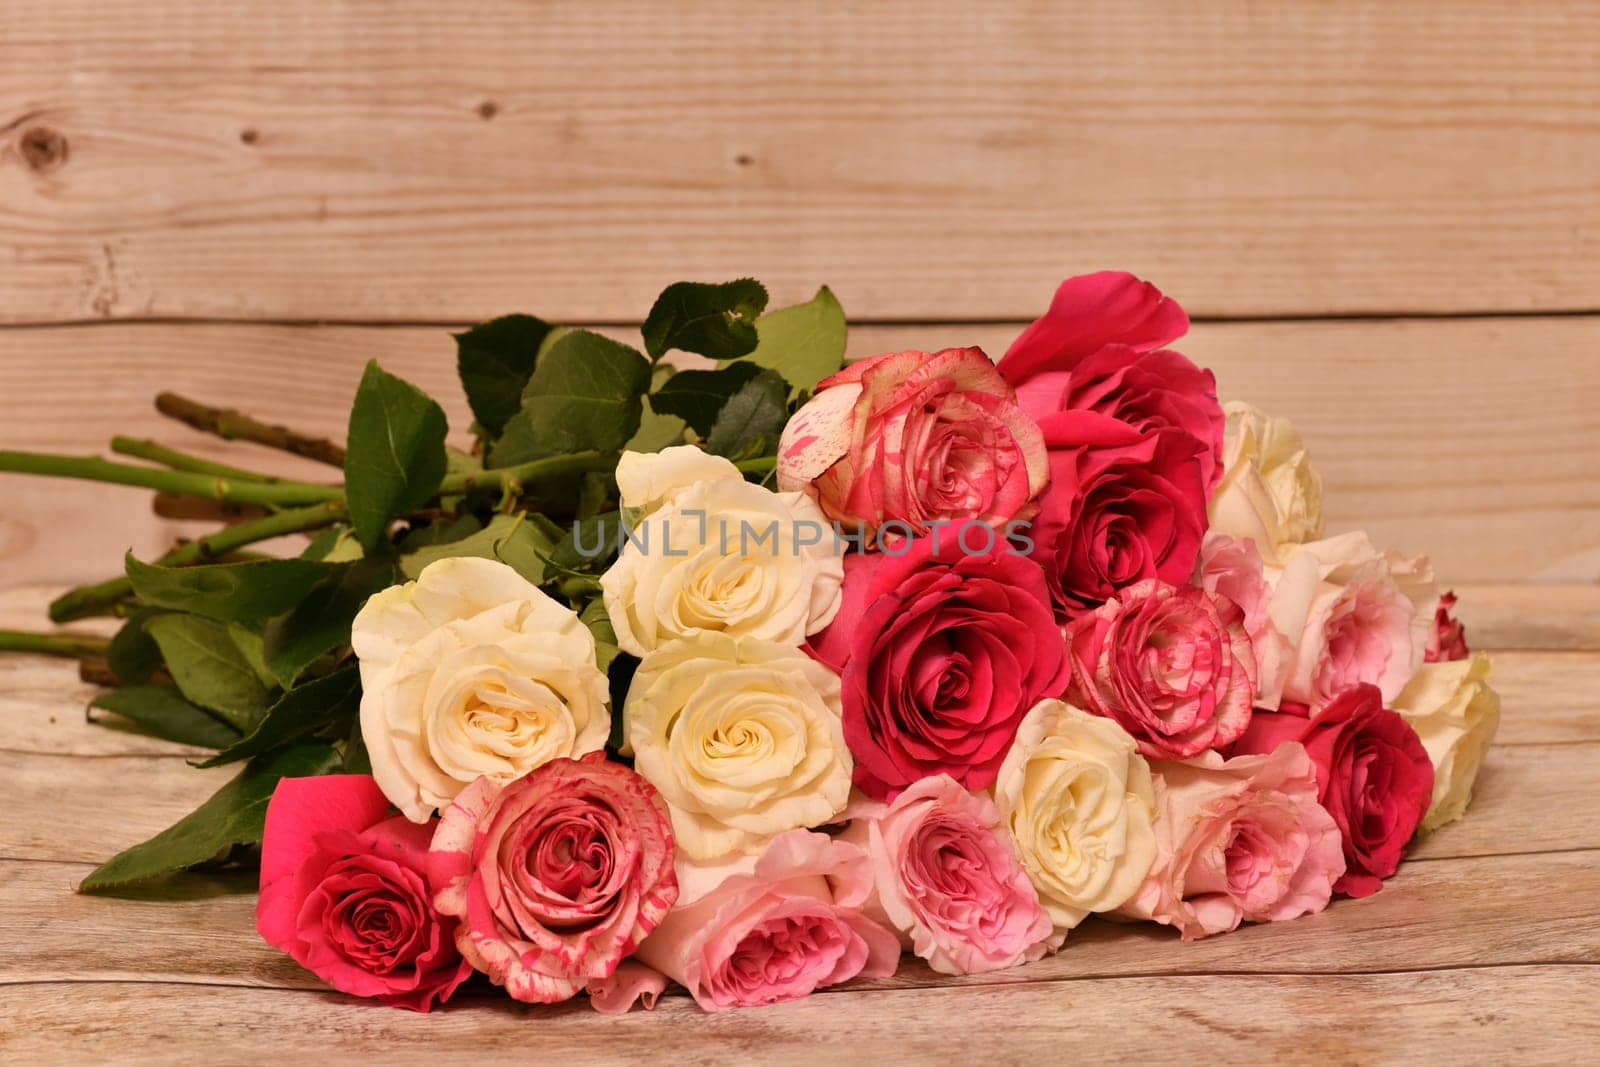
1384 217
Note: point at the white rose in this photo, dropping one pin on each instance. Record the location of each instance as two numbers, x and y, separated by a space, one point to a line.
741 737
1455 713
1269 491
718 555
646 480
1078 803
471 671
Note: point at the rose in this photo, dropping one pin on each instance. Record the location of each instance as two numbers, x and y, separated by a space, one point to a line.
1373 777
1353 615
1455 713
1077 801
717 554
914 438
1269 491
741 737
343 891
1449 638
774 927
1239 839
470 671
1098 349
941 653
1122 507
947 881
557 876
1232 568
1171 664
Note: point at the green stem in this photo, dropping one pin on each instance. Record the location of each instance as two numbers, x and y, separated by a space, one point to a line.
759 465
531 471
101 598
73 645
93 468
156 452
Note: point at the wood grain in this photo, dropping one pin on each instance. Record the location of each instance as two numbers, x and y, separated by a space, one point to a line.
1539 1014
1489 472
411 161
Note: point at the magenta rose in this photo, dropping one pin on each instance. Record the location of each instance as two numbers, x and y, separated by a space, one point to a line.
945 878
1374 777
1098 350
774 927
940 653
556 877
1172 665
344 891
1238 840
914 438
1449 639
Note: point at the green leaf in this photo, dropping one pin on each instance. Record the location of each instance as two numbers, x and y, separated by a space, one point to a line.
697 396
247 593
605 635
395 457
301 712
235 815
495 360
515 540
325 542
161 711
320 623
804 343
713 320
210 668
752 420
133 655
657 430
600 536
584 395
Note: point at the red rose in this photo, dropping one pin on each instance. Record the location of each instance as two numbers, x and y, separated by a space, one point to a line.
1449 638
1098 349
1172 665
1373 776
344 891
941 654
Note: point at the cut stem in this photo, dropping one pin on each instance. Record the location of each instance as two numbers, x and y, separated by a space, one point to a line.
70 645
759 465
237 426
531 471
99 599
210 487
156 452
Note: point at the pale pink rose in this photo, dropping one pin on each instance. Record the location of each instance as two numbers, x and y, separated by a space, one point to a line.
946 879
915 438
1232 567
556 877
631 983
774 927
1352 615
1239 840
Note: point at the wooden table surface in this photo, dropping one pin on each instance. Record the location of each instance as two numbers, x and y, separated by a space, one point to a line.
1485 947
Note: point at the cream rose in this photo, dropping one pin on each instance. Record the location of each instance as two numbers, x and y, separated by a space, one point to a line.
1078 803
471 671
741 737
714 553
1454 711
1269 491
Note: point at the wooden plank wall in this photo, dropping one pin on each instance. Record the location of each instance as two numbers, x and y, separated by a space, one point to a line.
1385 216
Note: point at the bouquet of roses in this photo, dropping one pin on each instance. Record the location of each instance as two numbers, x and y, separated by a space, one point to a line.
750 669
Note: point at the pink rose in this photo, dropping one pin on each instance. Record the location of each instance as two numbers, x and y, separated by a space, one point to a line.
1171 664
1232 568
1098 349
940 655
1449 639
1374 777
1239 839
774 927
343 891
945 878
556 876
914 438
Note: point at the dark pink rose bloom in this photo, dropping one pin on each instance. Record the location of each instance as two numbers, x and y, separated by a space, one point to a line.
1373 776
344 891
940 655
556 877
1172 665
914 438
1449 639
